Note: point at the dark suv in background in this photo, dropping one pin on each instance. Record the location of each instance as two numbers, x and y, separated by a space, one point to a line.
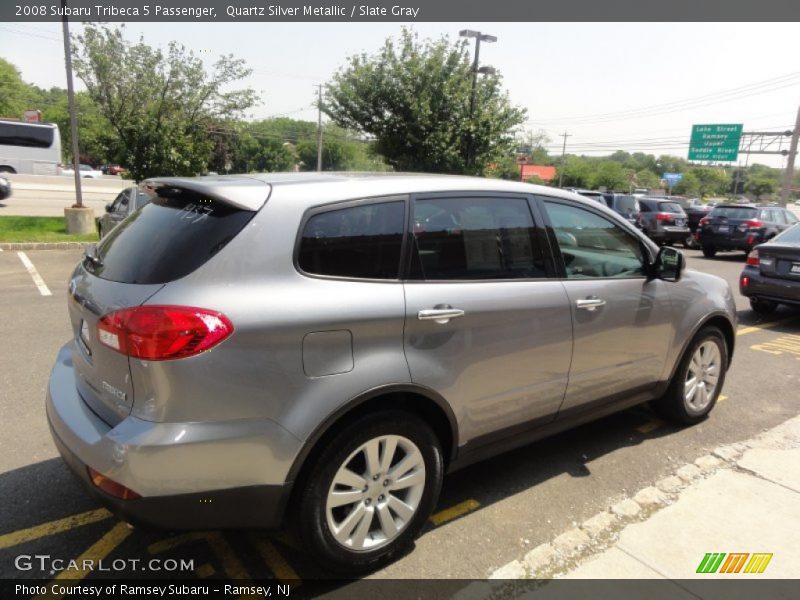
625 205
741 226
663 221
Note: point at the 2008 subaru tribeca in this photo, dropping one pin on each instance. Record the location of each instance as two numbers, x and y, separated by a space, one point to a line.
320 349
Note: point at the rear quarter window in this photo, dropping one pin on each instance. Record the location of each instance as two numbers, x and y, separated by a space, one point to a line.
171 236
734 212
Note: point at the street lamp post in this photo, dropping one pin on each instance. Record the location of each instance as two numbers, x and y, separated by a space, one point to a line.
479 37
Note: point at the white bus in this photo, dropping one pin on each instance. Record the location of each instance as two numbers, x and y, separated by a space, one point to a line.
29 148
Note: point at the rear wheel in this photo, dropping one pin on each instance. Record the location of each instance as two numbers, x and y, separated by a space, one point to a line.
763 307
709 251
698 379
370 492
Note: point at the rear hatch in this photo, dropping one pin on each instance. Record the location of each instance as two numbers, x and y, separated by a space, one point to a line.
627 206
730 222
781 257
174 234
670 214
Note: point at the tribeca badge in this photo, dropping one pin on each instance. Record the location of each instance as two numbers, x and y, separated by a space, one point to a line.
719 562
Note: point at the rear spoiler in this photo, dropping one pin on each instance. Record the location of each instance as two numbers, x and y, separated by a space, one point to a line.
239 191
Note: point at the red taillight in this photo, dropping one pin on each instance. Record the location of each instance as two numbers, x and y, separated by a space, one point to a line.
752 258
163 332
744 281
704 221
753 224
662 216
111 487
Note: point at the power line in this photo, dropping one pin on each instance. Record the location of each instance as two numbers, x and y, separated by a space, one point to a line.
745 91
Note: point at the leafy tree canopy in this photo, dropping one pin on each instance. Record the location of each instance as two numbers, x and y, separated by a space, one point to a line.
413 97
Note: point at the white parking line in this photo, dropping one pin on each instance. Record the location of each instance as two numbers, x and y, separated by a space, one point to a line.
37 279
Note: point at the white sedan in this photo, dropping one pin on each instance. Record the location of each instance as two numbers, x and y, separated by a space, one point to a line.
86 171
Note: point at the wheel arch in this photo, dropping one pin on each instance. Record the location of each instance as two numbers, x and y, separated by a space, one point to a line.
417 400
721 322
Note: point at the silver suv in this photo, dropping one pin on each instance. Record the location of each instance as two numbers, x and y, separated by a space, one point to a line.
320 349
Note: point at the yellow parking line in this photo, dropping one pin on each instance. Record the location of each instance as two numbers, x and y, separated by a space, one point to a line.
99 550
751 329
282 570
722 397
171 542
651 425
448 514
53 527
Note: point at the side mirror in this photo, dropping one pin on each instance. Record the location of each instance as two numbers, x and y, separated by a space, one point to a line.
108 208
669 264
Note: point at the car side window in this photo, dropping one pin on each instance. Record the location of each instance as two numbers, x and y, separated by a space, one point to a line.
361 242
475 238
790 218
120 202
593 246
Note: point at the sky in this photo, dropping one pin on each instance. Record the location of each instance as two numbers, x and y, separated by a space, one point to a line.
610 86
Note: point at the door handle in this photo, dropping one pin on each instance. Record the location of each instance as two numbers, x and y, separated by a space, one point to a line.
591 303
440 315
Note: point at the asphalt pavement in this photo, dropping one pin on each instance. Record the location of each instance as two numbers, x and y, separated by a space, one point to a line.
489 514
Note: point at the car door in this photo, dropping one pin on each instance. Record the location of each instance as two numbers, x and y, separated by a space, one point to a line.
622 320
486 326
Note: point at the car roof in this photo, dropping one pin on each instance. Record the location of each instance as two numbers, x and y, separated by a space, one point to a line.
250 191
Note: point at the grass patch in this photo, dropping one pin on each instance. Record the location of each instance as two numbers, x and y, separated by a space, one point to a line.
39 229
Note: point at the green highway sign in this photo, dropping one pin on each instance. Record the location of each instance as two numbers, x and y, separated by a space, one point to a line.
715 142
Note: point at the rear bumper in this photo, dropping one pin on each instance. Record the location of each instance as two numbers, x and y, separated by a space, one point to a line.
190 475
670 234
726 242
785 291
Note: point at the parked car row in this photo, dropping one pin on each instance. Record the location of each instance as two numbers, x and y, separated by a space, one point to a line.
741 227
90 172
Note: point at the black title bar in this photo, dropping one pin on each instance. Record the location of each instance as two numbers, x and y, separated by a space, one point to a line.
402 10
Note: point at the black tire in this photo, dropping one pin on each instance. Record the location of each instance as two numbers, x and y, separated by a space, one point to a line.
689 242
310 515
763 307
709 251
673 405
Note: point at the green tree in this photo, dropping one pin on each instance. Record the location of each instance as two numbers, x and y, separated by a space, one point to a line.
760 185
413 97
610 175
161 105
577 172
98 143
647 179
703 181
16 96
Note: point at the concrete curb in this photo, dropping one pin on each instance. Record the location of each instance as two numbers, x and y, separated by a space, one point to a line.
601 531
11 246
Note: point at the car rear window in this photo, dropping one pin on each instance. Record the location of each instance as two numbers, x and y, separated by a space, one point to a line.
177 232
670 207
790 236
734 212
627 203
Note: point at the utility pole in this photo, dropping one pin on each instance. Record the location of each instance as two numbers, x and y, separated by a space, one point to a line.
319 128
73 121
789 172
565 135
479 37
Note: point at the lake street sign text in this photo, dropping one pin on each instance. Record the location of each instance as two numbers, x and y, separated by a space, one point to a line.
715 142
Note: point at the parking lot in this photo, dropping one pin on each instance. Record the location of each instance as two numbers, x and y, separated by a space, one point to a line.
488 515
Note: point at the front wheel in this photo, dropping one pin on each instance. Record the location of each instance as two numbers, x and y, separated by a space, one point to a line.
697 381
370 492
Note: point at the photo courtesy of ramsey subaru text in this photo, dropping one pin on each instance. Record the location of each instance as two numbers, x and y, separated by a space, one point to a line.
318 350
